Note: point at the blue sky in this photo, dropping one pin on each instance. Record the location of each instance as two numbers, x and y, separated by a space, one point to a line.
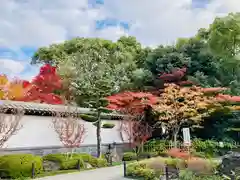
27 25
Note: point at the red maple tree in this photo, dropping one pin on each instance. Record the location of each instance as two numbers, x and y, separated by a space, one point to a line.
131 102
137 132
177 76
42 87
228 98
132 126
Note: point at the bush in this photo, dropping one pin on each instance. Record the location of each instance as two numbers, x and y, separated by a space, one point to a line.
156 145
88 118
19 165
163 154
178 153
71 163
93 161
145 155
199 154
64 161
201 166
175 163
101 162
129 156
157 165
211 148
108 125
139 170
188 175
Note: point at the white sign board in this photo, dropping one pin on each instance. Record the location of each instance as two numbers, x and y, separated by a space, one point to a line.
186 137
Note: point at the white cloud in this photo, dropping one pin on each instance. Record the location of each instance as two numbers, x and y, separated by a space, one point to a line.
8 66
164 21
41 22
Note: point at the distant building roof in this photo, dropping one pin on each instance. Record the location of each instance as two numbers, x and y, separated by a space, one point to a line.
30 106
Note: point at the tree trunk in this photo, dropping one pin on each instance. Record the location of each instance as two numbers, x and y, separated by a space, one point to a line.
99 125
175 133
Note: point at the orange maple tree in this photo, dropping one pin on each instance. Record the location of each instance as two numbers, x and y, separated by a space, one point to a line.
40 89
179 102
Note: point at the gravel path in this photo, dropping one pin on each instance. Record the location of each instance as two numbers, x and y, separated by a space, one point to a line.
109 173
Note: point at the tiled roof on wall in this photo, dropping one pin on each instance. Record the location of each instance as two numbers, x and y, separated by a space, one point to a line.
47 107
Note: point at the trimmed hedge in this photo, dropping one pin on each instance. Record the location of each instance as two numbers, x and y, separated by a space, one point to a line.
19 165
72 163
131 156
65 163
139 170
108 125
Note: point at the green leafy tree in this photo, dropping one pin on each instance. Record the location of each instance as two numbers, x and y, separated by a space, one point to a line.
224 34
94 78
126 49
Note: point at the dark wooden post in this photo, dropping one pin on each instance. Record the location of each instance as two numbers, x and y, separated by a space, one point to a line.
124 169
166 172
33 170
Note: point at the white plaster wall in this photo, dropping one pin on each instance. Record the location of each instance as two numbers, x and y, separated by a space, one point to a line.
38 131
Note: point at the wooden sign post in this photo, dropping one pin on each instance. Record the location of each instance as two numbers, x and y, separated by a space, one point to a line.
186 138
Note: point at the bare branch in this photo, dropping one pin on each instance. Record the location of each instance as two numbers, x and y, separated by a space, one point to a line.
137 131
9 123
71 132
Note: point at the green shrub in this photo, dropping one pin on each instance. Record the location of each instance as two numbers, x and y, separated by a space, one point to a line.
139 170
211 148
199 154
163 154
93 161
157 145
145 155
101 162
129 156
19 165
188 175
108 125
175 163
88 118
64 161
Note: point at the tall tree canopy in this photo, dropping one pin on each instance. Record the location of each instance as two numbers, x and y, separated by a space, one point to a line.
224 34
125 49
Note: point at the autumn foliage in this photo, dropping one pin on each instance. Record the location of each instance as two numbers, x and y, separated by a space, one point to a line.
177 76
178 153
131 102
178 103
136 131
41 89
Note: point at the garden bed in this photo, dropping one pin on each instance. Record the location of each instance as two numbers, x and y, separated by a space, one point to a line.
154 168
27 165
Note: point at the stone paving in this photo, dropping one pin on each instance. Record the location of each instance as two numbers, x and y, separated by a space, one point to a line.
109 173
